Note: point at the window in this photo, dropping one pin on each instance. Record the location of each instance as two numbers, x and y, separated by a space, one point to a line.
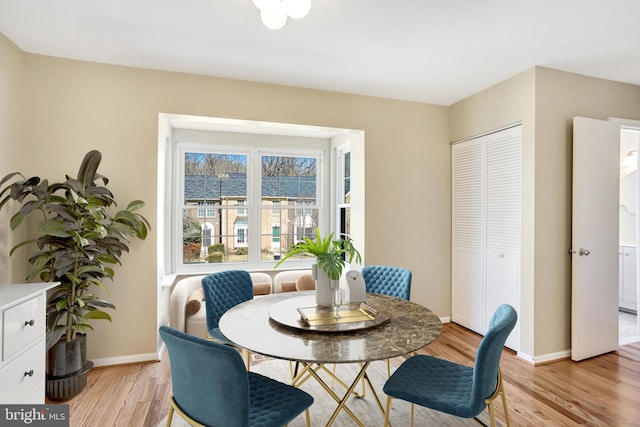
344 191
238 193
288 181
244 204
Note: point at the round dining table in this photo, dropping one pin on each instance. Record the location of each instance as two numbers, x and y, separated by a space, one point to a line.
273 326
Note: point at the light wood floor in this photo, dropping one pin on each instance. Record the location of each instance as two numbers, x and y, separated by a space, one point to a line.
602 391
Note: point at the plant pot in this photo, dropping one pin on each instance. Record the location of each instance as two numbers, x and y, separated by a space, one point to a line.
324 286
67 368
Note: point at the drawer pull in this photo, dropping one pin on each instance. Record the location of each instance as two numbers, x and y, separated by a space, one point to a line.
29 373
29 322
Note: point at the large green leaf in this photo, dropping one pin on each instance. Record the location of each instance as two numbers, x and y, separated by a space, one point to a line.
77 240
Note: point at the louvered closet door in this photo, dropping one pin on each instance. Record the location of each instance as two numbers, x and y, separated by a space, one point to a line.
503 224
467 256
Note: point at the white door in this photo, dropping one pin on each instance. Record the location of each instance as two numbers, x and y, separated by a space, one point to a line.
596 180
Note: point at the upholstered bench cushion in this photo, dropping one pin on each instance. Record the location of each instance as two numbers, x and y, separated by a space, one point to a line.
187 311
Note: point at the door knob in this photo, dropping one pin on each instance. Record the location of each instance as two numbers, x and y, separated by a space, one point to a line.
583 252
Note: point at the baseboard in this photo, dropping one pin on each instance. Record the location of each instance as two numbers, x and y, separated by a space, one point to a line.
126 360
546 358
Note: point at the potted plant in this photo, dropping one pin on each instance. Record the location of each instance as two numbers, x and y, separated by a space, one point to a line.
77 242
331 257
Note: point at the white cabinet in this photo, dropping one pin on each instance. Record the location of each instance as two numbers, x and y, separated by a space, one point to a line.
628 286
486 228
22 342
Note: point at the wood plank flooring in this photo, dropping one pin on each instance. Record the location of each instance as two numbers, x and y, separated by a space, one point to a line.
601 391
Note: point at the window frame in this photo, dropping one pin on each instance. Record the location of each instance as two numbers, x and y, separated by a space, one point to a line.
253 205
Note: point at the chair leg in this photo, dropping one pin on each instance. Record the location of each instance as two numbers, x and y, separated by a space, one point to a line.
492 415
504 403
170 416
386 412
307 417
412 408
489 401
187 418
247 358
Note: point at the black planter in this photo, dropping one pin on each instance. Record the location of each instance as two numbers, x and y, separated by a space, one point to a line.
67 368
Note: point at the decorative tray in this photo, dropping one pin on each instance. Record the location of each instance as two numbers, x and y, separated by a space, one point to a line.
300 313
319 316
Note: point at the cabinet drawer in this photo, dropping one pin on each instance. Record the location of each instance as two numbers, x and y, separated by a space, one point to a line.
23 324
16 383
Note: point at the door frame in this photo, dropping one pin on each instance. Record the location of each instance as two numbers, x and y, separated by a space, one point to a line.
635 126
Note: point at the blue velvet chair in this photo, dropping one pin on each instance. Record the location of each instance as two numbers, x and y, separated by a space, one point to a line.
387 280
455 389
211 387
222 291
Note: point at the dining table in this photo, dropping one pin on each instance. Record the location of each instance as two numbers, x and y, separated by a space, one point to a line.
291 327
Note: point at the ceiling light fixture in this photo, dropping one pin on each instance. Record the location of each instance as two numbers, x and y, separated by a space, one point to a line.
274 13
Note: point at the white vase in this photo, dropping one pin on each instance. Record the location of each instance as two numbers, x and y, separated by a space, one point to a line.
324 286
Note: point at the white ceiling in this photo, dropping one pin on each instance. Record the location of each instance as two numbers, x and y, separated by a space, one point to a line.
419 50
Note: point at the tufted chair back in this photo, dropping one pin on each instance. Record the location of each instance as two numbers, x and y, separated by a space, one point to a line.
211 387
387 280
222 291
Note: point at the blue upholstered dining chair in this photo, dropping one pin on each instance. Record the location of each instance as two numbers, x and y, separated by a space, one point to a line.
455 389
387 280
211 387
224 290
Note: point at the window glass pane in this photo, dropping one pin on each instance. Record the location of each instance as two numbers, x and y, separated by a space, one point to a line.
347 177
287 182
293 226
213 232
289 179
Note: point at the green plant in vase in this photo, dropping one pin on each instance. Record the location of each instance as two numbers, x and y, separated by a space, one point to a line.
77 242
331 257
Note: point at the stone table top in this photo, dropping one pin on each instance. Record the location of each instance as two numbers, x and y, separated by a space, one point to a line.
410 327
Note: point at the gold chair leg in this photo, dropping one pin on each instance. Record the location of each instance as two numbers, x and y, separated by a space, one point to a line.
386 412
504 399
187 418
492 416
170 416
412 408
246 356
489 401
307 417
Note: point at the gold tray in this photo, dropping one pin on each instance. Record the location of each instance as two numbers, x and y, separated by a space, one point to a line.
299 312
318 316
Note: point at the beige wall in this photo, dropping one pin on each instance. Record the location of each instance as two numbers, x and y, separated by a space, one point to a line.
52 111
76 106
13 147
545 101
559 97
506 103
